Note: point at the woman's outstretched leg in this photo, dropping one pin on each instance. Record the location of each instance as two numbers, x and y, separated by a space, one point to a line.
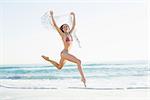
57 65
72 58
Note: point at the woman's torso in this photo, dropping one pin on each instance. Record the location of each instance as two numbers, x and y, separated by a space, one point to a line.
67 40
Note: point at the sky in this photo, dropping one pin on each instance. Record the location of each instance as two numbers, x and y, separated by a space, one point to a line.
109 30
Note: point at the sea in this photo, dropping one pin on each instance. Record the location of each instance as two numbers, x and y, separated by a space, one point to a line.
98 76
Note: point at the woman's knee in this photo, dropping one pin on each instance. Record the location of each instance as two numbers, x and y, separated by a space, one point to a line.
60 66
79 62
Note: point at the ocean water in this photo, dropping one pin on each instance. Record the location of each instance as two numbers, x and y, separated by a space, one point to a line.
97 76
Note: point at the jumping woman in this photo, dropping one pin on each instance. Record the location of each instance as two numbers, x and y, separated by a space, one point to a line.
66 34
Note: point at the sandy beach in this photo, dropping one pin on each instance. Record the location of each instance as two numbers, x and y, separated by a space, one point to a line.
73 94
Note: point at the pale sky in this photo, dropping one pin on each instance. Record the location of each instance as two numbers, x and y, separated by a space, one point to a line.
110 30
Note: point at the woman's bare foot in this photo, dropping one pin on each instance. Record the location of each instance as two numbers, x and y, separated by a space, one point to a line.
84 81
46 58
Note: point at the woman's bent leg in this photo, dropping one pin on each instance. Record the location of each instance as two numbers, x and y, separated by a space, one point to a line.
57 65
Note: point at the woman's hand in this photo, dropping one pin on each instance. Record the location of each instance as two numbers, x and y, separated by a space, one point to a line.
51 13
72 13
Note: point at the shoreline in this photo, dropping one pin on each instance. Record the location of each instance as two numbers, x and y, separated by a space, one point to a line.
77 88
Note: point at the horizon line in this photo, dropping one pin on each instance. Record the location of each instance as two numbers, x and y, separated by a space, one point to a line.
87 63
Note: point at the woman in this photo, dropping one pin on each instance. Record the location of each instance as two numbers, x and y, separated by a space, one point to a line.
65 32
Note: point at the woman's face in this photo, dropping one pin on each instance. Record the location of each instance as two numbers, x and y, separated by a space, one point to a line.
66 28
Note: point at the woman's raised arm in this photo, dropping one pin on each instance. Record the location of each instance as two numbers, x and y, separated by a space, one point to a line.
55 25
74 21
